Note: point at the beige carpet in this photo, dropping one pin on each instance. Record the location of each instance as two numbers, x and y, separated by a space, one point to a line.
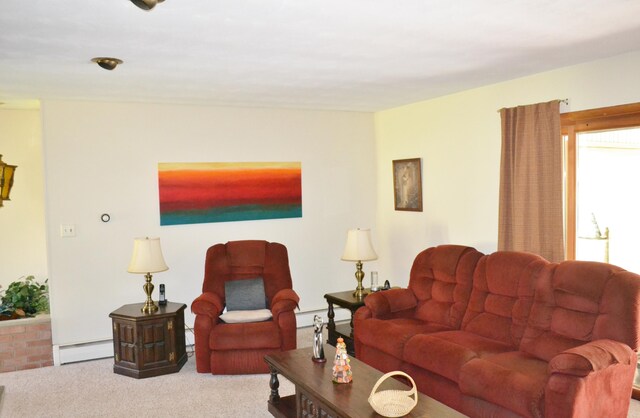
91 389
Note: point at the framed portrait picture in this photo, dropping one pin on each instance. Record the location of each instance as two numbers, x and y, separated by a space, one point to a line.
407 184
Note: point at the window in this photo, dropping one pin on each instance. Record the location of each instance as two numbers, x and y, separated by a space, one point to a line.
598 142
599 178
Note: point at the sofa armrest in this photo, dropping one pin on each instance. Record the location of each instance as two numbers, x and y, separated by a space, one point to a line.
207 307
208 304
283 304
283 301
592 380
591 357
386 303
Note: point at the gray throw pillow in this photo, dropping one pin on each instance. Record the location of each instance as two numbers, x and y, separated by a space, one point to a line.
245 295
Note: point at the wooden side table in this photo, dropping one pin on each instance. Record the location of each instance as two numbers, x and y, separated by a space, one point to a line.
348 301
147 345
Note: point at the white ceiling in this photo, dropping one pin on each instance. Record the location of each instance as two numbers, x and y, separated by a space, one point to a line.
363 55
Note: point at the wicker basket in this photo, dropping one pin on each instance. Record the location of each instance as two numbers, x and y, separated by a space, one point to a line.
393 403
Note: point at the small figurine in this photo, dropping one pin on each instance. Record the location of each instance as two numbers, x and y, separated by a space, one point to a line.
318 348
341 366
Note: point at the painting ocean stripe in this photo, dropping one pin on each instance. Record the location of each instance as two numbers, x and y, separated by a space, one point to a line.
225 192
231 214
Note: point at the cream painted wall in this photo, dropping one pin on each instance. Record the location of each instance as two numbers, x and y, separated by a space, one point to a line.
102 158
22 228
458 138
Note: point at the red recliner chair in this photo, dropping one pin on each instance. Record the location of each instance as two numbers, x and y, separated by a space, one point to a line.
239 348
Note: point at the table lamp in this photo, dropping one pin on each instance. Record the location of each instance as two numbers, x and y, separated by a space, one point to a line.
146 259
359 249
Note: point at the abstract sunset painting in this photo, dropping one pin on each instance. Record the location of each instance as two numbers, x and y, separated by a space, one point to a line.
223 192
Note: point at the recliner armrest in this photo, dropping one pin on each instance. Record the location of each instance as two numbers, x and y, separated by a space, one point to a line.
208 304
388 302
284 300
591 357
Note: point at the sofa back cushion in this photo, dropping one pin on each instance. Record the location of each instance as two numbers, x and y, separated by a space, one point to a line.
240 260
441 281
502 295
582 301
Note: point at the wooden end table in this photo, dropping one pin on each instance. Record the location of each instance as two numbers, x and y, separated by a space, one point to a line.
348 301
147 345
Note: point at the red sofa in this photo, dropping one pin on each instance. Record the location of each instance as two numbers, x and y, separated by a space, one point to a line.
508 334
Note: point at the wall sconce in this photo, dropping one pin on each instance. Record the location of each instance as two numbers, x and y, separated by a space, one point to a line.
6 180
146 4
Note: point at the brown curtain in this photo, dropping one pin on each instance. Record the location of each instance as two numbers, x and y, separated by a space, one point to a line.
530 214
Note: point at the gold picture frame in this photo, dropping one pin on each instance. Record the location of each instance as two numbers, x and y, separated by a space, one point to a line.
407 184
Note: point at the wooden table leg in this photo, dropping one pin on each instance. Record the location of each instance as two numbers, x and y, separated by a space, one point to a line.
351 323
274 384
331 325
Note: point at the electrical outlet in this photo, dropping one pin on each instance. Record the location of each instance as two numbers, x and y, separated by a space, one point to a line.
67 230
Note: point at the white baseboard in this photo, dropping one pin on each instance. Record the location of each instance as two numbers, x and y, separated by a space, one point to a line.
93 350
305 319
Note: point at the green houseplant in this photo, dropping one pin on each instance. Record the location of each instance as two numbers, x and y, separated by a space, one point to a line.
24 298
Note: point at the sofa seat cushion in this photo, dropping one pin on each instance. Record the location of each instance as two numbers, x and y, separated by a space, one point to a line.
444 353
514 380
245 336
390 335
236 317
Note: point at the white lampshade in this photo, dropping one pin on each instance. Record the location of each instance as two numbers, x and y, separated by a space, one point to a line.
147 256
358 247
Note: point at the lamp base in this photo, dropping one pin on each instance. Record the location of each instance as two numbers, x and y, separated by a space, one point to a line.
149 306
360 292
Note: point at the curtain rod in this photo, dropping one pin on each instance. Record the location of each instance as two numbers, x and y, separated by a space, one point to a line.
565 101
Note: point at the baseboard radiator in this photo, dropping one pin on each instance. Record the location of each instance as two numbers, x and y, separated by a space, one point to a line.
97 349
72 353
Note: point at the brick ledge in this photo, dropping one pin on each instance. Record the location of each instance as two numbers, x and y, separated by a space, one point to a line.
26 321
25 344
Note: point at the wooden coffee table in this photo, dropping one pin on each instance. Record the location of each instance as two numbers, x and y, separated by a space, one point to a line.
317 396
